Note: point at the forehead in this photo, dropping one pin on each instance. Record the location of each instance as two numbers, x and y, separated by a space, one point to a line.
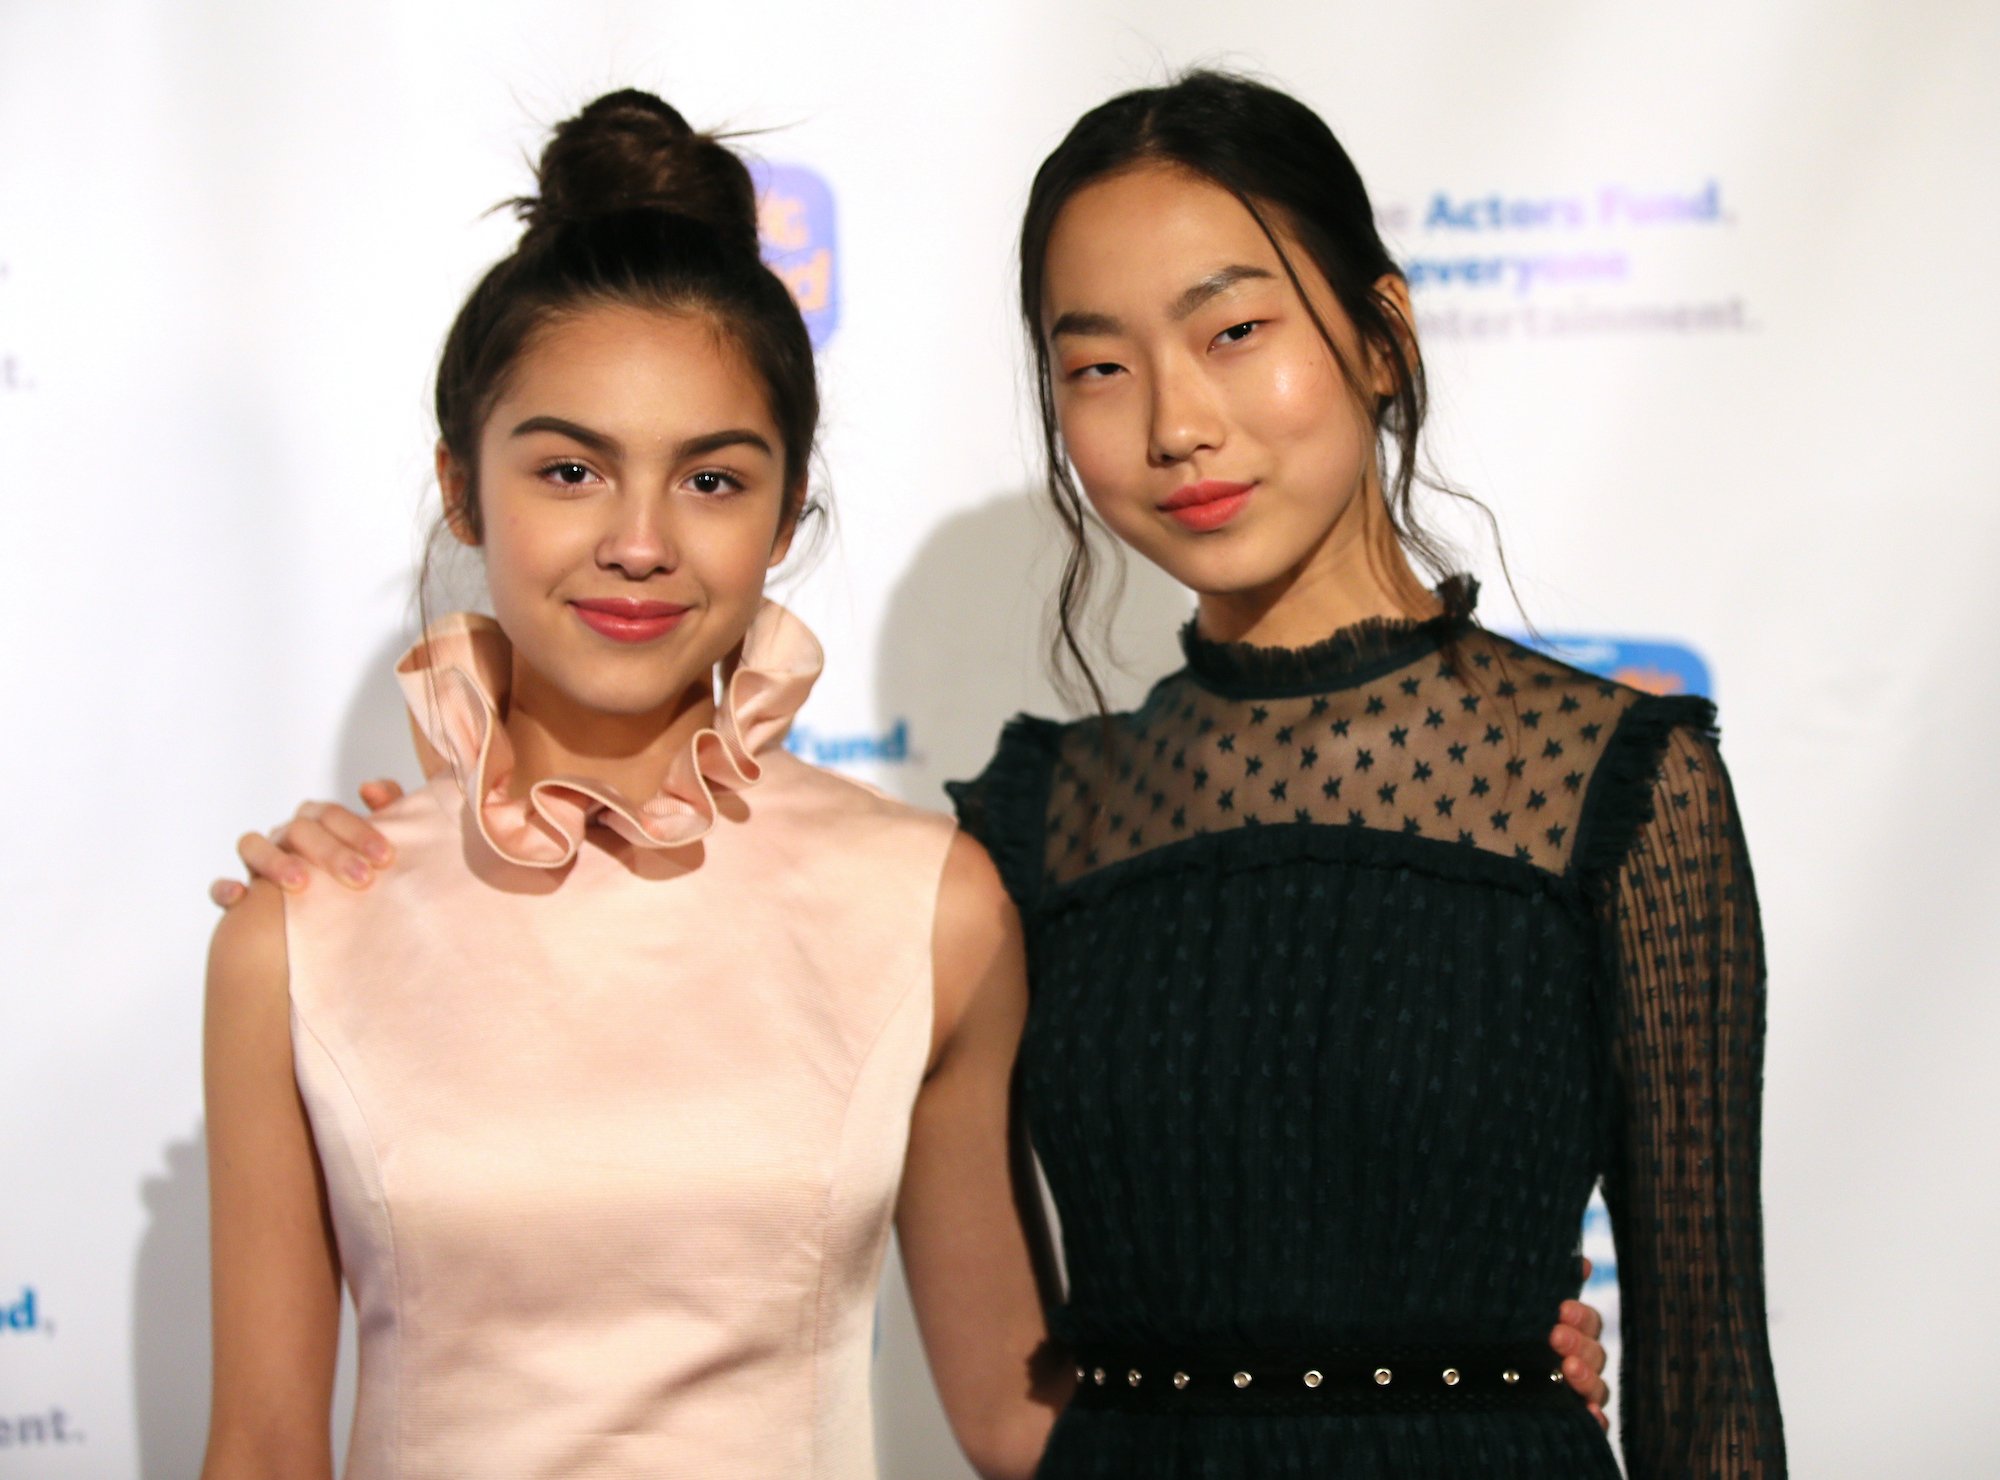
1146 234
613 362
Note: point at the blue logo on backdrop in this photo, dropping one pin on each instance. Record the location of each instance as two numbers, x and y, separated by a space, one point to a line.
1613 209
889 748
1597 1243
25 1316
1615 259
795 219
1655 667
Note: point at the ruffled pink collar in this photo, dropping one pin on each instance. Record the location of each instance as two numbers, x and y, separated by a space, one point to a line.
456 679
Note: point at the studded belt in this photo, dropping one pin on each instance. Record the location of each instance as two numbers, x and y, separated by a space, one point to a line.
1436 1377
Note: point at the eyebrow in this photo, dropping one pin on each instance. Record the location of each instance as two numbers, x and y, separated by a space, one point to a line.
1214 286
610 446
1083 323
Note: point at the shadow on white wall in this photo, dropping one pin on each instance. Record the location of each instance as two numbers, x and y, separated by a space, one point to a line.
963 642
962 648
170 1320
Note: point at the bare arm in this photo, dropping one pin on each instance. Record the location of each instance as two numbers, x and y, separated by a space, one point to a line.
275 1271
969 1220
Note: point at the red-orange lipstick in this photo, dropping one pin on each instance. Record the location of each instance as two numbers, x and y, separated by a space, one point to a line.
1206 505
623 619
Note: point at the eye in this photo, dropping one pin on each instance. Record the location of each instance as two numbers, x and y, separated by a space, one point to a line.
1237 333
714 481
1102 370
567 473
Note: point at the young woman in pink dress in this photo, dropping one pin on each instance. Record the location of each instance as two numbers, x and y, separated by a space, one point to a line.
602 1099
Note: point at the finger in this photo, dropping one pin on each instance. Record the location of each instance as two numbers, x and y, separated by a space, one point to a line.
1580 1354
226 892
315 841
266 860
1582 1363
376 795
1591 1354
1586 1318
1586 1383
1588 1269
358 835
1598 1414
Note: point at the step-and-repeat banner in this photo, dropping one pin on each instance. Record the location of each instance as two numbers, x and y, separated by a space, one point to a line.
1709 303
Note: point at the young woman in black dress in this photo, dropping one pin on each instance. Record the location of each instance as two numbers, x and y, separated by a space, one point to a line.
1368 944
1324 1055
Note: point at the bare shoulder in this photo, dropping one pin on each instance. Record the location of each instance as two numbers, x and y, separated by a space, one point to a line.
978 958
247 959
973 909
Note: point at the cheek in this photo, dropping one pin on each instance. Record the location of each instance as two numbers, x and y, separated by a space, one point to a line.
1107 447
529 545
1302 398
729 551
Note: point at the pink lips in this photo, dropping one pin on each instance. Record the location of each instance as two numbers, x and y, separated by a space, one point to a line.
625 620
1206 505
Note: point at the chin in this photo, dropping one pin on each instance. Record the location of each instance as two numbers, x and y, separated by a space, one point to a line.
1217 569
634 695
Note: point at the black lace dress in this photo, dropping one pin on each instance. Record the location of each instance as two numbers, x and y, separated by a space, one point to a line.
1354 970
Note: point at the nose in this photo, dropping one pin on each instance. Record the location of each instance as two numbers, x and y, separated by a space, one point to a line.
639 540
1185 417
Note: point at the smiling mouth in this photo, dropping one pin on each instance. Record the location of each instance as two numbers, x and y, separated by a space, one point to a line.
1206 505
624 620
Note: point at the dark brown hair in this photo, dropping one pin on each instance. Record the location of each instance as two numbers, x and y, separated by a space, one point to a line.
632 206
1281 161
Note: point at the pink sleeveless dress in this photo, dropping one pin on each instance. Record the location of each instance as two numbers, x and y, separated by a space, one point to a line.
612 1097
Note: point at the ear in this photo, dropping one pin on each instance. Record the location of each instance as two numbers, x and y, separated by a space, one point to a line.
455 485
781 545
1393 293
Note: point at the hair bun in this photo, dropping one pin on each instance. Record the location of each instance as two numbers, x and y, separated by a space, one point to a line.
630 150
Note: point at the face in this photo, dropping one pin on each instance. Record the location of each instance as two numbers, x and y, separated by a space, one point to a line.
631 492
1208 423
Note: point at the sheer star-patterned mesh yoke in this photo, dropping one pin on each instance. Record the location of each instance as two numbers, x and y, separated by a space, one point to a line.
1354 969
1480 742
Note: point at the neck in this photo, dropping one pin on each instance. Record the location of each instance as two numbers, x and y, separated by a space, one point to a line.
552 735
1357 572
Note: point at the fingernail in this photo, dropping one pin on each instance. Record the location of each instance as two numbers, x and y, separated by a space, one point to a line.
355 873
379 852
294 878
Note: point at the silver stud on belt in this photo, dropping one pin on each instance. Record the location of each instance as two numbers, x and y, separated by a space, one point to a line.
1312 1378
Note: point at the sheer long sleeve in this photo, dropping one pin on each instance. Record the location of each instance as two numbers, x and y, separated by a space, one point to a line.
1687 1022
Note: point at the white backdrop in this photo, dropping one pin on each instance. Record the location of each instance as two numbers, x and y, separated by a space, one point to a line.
1709 303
